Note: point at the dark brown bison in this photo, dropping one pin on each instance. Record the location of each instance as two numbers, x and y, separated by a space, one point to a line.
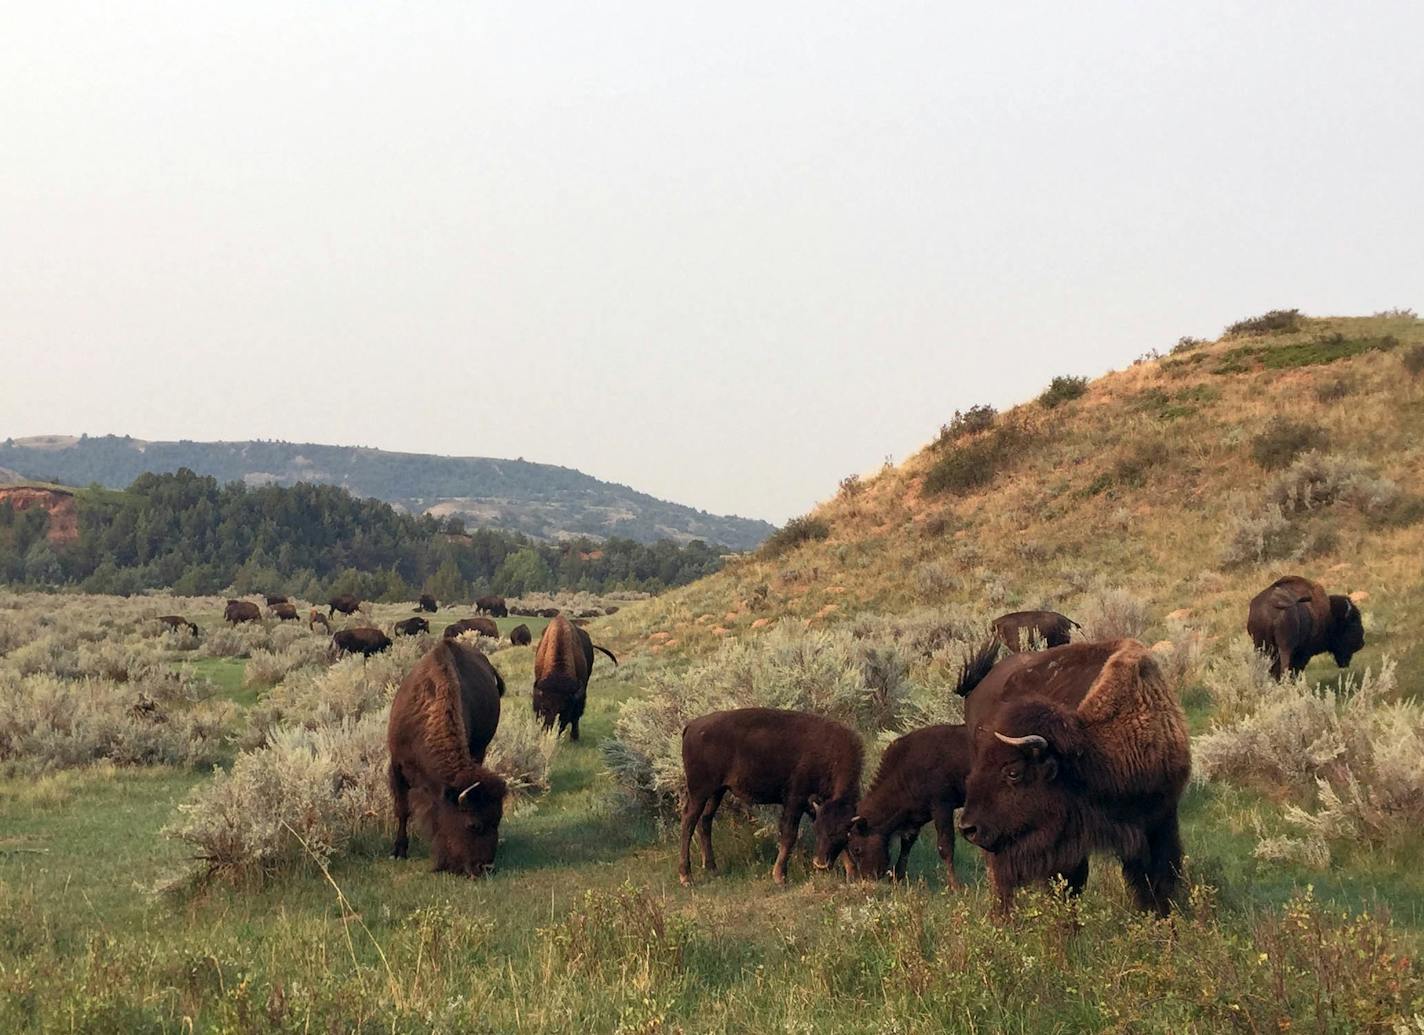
412 626
1076 749
610 610
238 611
274 599
921 778
442 719
520 636
483 626
492 605
285 612
346 604
769 756
548 612
427 603
362 640
177 622
562 663
1019 629
317 618
1293 620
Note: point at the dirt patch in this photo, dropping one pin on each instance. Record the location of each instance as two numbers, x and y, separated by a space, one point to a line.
62 508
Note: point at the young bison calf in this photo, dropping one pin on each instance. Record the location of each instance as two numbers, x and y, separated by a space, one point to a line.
768 756
921 778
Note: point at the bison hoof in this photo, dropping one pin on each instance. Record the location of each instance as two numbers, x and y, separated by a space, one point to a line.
779 878
684 880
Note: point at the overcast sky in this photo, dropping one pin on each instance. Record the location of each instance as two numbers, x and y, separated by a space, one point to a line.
724 253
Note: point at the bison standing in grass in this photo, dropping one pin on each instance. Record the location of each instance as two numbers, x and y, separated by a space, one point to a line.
493 606
1019 629
520 636
769 756
317 618
412 626
273 599
346 604
483 626
1293 619
363 640
239 611
285 612
562 664
427 603
177 622
1077 749
442 720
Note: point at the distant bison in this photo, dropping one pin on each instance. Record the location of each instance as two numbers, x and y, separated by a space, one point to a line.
492 605
412 626
177 622
238 611
362 640
285 612
769 756
1018 629
427 603
1293 619
549 612
520 636
442 719
562 664
921 778
483 626
1077 749
610 610
317 618
346 604
273 600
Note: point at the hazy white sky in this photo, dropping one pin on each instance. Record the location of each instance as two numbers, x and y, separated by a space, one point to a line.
725 253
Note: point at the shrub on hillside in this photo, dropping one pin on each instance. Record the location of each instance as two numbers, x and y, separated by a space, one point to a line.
1062 389
1186 343
1257 536
1413 360
977 462
967 422
1277 321
1323 479
1280 444
793 534
1336 388
1112 613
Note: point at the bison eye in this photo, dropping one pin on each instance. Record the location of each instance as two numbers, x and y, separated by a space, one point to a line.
1013 775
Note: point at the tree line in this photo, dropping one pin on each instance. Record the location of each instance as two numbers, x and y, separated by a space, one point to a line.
188 533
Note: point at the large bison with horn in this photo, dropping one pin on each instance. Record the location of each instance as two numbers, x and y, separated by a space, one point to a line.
1076 749
442 719
562 663
1293 619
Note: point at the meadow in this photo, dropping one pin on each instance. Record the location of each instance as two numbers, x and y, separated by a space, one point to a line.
1152 503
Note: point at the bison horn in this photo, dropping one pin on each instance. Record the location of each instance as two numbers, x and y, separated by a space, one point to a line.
467 790
1033 740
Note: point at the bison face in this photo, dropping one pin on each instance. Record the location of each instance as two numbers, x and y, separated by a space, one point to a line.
1347 630
869 850
831 826
1013 793
467 827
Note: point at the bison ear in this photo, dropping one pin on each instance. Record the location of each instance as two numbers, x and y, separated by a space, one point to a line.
814 804
859 826
1048 769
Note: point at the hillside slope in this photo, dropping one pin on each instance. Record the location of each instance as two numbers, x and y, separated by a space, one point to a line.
540 500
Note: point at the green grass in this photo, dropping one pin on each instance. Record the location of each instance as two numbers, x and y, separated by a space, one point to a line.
226 674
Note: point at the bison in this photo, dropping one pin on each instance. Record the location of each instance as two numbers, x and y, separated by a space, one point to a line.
176 622
520 636
548 612
562 663
238 611
362 640
921 778
1019 629
1076 749
492 605
442 719
769 756
317 618
427 603
412 626
483 626
1292 620
285 612
346 604
273 599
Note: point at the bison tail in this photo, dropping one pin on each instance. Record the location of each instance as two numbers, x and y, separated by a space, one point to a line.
977 666
605 650
1073 623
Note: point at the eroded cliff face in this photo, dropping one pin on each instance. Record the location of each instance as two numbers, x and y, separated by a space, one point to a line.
63 511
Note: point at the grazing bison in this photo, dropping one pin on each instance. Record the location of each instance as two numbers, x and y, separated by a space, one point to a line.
769 756
492 605
1076 749
921 778
1018 629
520 636
483 626
176 622
442 719
412 626
238 611
427 603
562 664
317 618
1293 620
285 612
274 599
362 640
548 612
610 610
346 604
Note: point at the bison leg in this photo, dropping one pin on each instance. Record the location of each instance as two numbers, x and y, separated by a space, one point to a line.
907 841
944 841
400 794
691 813
1153 876
704 830
1002 888
1075 879
790 827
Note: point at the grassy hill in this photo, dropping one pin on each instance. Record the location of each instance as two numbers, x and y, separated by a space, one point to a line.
540 500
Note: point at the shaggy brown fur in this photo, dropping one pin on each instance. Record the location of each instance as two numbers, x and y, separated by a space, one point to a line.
412 626
1293 620
284 612
770 756
1104 769
346 604
492 605
317 618
483 626
176 622
920 778
238 611
520 636
442 720
427 603
273 599
562 664
1019 629
364 641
